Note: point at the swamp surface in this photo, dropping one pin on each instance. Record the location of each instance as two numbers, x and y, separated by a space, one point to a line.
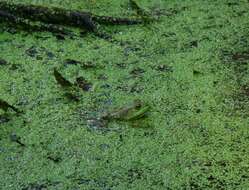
190 67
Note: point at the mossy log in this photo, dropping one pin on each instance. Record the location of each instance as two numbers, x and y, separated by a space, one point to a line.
49 15
26 25
61 16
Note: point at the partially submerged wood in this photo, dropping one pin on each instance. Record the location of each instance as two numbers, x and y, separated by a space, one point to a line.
61 16
62 80
26 25
5 106
72 90
50 15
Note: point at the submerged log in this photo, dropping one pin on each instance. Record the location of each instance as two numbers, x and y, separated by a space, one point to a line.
11 19
5 106
61 16
26 25
49 15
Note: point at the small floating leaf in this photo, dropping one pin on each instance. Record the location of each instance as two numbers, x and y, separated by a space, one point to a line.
5 106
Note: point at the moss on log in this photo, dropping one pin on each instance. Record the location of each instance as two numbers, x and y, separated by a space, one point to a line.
61 16
26 25
49 15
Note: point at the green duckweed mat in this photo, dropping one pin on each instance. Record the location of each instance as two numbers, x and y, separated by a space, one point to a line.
190 67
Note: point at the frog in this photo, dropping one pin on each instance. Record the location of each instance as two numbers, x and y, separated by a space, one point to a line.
133 111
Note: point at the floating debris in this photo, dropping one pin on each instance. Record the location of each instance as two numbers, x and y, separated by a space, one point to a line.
241 56
71 62
73 95
5 106
82 83
31 52
84 65
4 118
16 139
35 186
70 90
137 71
164 68
59 36
88 65
197 73
140 11
3 62
42 185
61 80
194 43
54 156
